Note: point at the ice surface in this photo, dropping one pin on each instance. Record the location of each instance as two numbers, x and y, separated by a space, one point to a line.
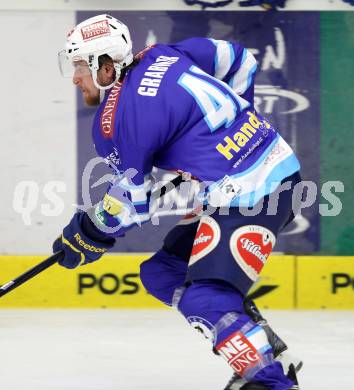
155 350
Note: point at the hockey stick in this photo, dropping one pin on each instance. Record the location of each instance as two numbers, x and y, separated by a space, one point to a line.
6 288
263 290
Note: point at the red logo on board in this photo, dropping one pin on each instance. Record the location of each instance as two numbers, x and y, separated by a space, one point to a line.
206 239
251 246
239 353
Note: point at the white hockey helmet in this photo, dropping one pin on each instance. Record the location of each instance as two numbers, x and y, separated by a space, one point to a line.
96 36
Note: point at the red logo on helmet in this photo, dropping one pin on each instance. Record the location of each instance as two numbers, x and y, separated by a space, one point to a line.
251 246
95 30
109 111
206 239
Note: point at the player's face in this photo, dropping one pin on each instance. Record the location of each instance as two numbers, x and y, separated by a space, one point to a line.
83 79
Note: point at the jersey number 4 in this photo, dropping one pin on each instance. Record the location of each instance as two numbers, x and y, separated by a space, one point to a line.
219 109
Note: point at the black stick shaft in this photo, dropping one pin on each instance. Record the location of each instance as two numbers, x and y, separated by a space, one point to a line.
160 192
6 288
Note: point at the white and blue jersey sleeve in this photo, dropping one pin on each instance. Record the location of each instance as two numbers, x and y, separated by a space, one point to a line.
226 61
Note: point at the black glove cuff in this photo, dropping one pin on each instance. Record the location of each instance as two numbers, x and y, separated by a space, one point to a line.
92 232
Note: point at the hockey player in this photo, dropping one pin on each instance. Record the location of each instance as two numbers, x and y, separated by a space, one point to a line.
186 107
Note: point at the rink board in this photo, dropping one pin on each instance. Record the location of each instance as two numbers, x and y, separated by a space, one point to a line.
287 282
325 282
111 282
114 282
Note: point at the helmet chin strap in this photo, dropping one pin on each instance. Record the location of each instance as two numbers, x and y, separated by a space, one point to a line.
102 95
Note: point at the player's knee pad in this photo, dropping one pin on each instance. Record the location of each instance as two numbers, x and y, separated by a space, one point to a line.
162 275
203 303
210 297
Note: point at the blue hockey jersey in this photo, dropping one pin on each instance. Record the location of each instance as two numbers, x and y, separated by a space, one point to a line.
187 107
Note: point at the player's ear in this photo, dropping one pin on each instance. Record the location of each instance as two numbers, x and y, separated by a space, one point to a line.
108 69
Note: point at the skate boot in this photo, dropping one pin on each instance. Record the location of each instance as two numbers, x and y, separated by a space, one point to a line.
292 376
237 383
278 346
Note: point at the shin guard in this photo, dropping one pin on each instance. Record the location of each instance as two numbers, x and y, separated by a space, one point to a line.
216 309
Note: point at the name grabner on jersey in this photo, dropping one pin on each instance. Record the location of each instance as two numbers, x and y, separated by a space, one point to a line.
149 84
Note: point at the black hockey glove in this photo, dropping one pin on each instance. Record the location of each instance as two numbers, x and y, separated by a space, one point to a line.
78 247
